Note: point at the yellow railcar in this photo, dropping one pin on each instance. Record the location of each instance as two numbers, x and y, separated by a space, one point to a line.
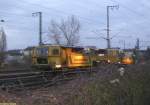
110 55
127 59
105 56
57 57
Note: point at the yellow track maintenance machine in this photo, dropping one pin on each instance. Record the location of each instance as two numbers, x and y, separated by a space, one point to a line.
57 57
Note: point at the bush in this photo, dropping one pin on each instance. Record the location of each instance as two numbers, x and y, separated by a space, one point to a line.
132 89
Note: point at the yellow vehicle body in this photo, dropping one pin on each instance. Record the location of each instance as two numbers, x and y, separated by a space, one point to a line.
113 55
57 57
127 60
107 56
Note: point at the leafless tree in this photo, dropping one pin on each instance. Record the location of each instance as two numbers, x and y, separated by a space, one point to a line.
3 45
66 32
55 32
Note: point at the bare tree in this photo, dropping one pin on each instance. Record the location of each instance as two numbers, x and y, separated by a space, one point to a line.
55 32
66 32
3 45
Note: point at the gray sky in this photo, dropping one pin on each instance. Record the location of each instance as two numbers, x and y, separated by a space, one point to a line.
129 22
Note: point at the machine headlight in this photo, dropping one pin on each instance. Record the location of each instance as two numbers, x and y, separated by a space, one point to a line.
58 66
108 61
98 61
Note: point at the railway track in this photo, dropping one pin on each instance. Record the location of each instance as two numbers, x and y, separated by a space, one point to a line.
34 79
18 79
31 79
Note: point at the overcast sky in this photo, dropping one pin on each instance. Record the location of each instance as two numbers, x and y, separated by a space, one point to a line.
129 22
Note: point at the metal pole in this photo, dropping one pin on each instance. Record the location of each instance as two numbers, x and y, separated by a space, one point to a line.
40 25
124 44
108 37
138 44
108 34
40 28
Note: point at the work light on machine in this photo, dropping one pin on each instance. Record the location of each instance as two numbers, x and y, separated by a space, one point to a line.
78 57
108 61
128 61
58 66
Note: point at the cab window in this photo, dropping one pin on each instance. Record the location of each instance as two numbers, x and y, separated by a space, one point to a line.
55 52
42 51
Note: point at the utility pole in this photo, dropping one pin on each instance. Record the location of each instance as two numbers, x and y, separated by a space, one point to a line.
108 34
124 44
137 46
40 25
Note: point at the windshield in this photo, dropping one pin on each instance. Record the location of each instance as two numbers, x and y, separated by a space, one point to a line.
42 51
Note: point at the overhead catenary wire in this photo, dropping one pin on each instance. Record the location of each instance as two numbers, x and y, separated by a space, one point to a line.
133 12
49 8
26 16
129 9
62 12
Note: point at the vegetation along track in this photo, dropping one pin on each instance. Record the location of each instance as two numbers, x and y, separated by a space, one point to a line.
31 79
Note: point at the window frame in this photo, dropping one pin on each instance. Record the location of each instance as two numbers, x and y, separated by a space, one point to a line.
51 49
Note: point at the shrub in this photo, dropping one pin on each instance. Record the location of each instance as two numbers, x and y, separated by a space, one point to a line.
132 89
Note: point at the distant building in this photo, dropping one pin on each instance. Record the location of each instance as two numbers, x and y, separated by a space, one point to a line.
14 55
